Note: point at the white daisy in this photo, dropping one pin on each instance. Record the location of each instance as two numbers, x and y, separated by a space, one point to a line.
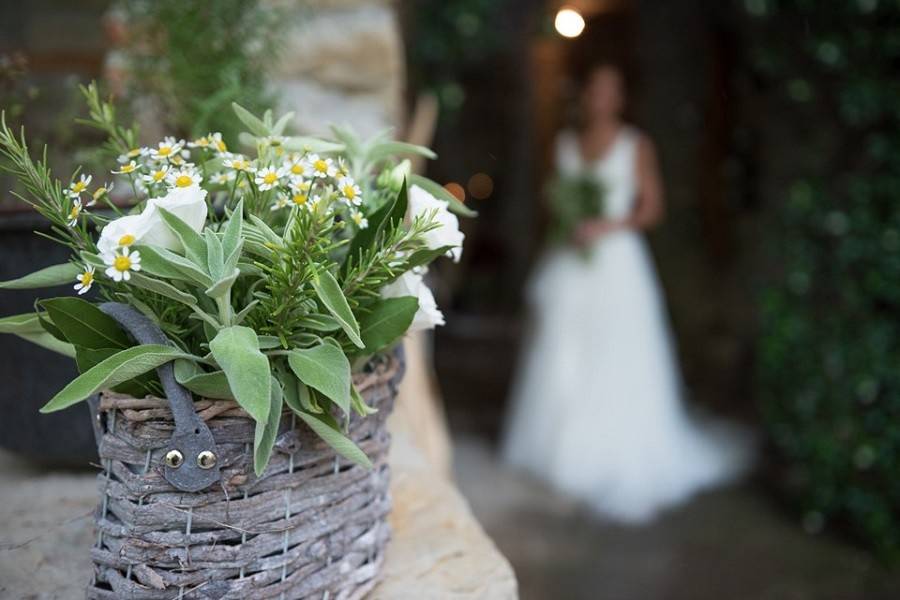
167 149
200 142
85 280
282 201
342 169
238 162
76 188
296 167
321 167
359 219
132 154
157 175
100 192
121 265
268 178
185 177
223 177
217 143
350 191
127 169
75 212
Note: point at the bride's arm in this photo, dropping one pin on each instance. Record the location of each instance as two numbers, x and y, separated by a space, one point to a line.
649 209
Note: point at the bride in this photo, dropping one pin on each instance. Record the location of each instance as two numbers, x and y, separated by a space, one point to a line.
597 408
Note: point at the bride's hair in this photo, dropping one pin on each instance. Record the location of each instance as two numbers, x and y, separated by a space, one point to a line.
583 76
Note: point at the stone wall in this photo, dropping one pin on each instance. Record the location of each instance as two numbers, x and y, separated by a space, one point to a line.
343 63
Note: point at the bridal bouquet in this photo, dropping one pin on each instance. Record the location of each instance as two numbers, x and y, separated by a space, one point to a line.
276 273
573 199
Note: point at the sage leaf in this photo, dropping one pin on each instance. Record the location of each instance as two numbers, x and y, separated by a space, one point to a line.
324 368
163 288
116 369
194 246
236 350
83 324
332 297
205 385
389 319
265 434
29 328
46 277
252 122
334 438
168 265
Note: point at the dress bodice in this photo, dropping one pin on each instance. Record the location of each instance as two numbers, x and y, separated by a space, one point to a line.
615 170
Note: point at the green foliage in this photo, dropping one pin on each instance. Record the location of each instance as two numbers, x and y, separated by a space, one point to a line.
830 345
198 57
572 200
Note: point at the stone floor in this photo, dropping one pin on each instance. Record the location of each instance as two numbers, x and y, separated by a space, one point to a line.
732 544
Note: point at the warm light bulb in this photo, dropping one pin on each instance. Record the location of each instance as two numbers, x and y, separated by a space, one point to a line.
569 22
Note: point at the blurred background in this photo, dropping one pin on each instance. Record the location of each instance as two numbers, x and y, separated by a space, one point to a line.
777 124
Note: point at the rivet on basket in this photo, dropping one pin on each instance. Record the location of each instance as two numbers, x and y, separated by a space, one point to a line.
174 459
206 460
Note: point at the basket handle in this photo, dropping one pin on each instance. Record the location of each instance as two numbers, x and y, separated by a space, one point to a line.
188 465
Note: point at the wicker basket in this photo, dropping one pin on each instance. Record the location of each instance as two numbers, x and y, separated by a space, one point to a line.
312 526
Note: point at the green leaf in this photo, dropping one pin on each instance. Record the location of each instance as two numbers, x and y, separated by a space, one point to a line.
205 385
46 277
425 256
168 265
231 238
279 126
264 437
390 149
331 295
83 324
324 368
441 193
162 288
359 404
334 438
236 349
318 322
194 246
29 328
18 324
311 144
215 255
388 320
87 358
223 286
252 122
116 369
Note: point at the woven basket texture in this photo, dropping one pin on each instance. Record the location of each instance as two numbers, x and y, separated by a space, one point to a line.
314 525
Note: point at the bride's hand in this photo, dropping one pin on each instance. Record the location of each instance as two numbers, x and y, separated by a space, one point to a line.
588 231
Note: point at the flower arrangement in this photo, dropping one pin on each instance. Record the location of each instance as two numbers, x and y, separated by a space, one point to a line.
275 274
573 199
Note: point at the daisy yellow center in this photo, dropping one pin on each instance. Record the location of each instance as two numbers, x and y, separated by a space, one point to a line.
183 181
349 192
158 175
299 198
220 146
99 192
321 166
134 153
128 168
86 278
76 210
126 240
164 150
79 187
122 263
358 218
202 142
297 169
239 164
270 178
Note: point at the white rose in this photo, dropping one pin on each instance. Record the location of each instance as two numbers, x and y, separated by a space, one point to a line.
188 204
122 232
448 234
411 284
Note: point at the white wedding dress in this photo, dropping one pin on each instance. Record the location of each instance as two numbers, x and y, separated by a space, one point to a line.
596 405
